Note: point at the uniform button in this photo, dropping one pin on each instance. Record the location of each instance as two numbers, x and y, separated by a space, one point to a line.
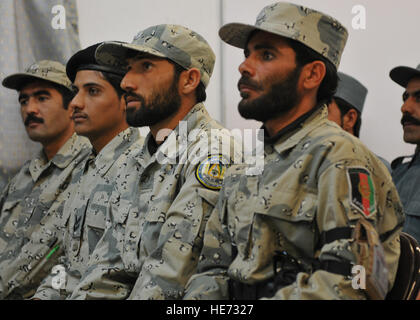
269 149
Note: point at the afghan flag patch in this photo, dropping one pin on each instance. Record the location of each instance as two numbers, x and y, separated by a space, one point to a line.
362 192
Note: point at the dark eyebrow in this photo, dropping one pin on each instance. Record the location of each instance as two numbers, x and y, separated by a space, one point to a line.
92 84
35 94
415 92
86 85
261 46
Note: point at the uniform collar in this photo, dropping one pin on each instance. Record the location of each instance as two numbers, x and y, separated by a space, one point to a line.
176 142
292 134
67 153
114 149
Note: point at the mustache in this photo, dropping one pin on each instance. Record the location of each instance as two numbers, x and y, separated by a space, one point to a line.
77 113
408 118
249 83
33 118
134 96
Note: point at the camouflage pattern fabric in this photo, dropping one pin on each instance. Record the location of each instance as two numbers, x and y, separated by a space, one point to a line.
177 43
314 29
47 70
88 208
158 212
307 188
32 219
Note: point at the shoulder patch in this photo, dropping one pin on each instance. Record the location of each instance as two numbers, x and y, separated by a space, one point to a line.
362 192
211 171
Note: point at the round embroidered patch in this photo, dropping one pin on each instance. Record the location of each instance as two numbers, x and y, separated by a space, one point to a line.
211 171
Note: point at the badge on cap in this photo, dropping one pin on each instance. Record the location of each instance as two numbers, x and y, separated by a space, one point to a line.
211 171
362 192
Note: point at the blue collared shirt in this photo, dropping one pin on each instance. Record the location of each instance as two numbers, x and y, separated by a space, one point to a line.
406 176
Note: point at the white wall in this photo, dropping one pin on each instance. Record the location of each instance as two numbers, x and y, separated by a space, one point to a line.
390 39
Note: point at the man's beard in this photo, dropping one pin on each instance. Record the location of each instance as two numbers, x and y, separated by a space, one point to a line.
161 105
281 98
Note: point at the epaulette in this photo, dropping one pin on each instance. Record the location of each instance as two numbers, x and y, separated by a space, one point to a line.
396 162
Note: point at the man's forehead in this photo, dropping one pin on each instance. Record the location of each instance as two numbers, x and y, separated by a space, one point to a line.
136 56
259 37
413 84
85 75
36 85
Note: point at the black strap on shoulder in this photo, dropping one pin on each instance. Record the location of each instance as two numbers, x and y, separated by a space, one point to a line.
343 268
335 234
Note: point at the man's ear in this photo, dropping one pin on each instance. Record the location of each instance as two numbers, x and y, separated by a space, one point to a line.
312 74
349 120
189 80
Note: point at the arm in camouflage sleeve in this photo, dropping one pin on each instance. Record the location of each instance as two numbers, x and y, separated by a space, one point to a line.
46 292
3 196
211 280
106 276
337 209
166 268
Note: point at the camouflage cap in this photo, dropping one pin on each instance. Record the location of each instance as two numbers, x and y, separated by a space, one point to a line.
402 75
48 70
177 43
314 29
351 91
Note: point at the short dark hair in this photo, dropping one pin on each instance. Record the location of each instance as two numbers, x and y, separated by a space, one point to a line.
200 91
305 55
115 81
345 107
66 94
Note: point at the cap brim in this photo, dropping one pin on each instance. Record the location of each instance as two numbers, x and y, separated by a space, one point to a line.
17 80
402 75
115 53
237 34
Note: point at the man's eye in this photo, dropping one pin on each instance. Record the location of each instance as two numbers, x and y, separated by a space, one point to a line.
93 91
42 98
23 102
405 96
267 55
147 65
417 96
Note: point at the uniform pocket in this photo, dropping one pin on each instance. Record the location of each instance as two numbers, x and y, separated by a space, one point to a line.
9 226
290 218
210 196
95 229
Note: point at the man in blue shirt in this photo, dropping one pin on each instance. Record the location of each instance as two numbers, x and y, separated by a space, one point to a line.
406 170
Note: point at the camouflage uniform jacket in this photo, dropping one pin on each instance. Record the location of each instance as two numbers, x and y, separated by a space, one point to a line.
87 209
304 190
31 219
158 213
406 175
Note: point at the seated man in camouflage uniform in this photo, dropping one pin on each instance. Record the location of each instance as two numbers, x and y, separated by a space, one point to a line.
99 114
31 204
406 170
295 230
167 190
